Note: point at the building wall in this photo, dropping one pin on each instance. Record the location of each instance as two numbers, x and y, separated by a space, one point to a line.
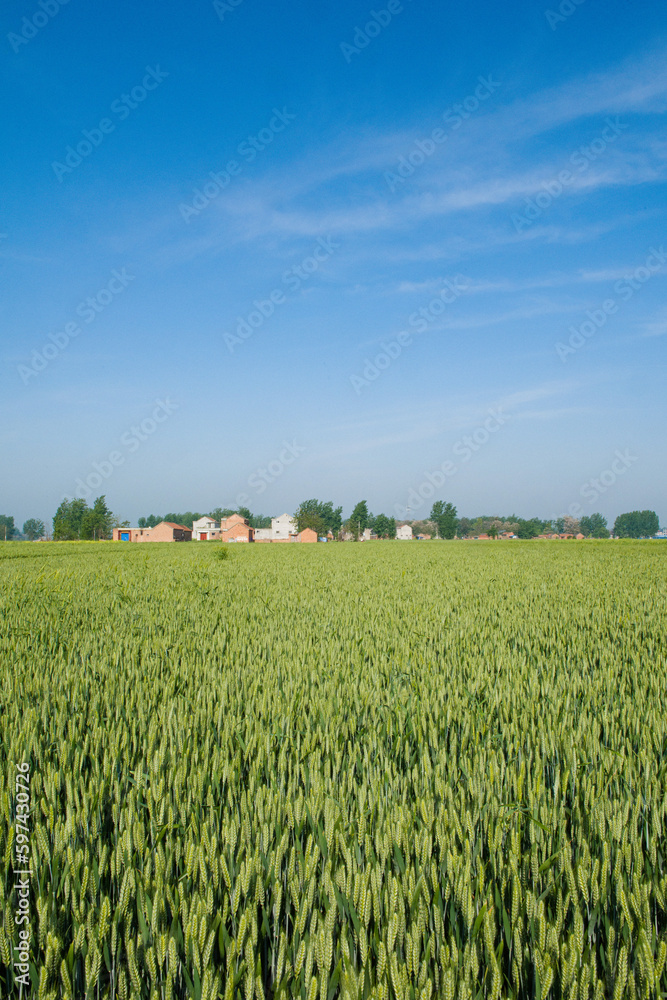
307 535
239 532
164 532
207 526
136 534
283 526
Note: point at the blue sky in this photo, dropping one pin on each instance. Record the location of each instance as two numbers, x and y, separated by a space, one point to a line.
254 253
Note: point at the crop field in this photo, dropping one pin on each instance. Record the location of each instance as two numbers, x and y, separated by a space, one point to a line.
382 771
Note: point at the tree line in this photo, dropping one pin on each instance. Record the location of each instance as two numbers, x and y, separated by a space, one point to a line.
76 520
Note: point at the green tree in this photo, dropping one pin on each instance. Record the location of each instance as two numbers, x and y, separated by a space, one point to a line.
7 529
260 521
185 519
636 524
68 518
34 529
150 521
320 516
358 520
444 515
493 531
97 520
384 527
309 519
221 513
530 528
594 526
465 527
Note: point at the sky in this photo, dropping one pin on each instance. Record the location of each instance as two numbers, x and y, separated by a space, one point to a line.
254 253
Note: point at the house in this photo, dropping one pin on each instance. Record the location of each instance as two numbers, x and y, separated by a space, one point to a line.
307 535
231 529
205 529
165 531
404 533
131 534
236 529
282 529
168 531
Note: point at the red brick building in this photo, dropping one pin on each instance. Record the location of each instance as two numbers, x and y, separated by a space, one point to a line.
165 531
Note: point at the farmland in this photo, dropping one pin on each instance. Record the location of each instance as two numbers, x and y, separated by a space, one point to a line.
367 771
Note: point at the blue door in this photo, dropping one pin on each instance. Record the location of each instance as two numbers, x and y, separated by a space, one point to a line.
125 536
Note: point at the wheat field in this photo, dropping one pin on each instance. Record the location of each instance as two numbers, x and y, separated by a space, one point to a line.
359 771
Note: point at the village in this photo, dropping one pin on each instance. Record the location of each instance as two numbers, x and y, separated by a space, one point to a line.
236 529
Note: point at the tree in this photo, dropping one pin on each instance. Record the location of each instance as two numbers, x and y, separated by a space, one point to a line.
384 527
444 515
221 513
150 521
185 519
67 519
96 521
566 525
75 519
528 529
594 526
465 527
493 531
309 519
636 524
7 529
358 521
318 512
34 529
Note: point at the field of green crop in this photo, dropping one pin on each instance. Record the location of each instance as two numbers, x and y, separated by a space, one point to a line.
380 771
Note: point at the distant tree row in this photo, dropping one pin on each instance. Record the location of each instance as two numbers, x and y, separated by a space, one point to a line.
74 519
218 514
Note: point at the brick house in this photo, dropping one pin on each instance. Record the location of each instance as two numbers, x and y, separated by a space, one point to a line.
165 531
236 529
131 534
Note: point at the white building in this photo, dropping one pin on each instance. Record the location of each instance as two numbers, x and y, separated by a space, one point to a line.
204 529
404 533
281 530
